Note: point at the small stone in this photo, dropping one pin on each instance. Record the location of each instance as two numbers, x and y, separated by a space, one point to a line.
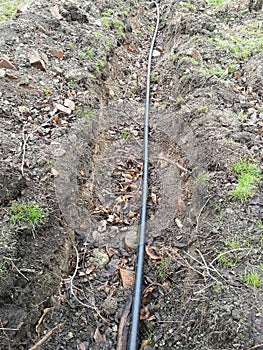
55 12
5 63
235 314
36 61
23 110
22 8
131 240
178 223
2 73
57 53
156 53
62 108
70 104
100 258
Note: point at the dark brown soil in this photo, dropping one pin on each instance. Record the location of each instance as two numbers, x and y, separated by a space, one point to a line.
71 142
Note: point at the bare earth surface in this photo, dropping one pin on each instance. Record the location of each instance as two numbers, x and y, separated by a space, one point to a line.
72 90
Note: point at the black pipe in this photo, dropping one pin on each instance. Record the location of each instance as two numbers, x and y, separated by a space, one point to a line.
137 292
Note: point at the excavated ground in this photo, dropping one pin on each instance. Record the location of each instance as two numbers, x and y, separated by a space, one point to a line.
72 90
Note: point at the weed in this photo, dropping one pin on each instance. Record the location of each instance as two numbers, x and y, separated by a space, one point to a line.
86 53
71 83
175 56
202 109
179 100
106 22
247 42
126 134
88 113
99 67
46 91
215 2
97 35
8 9
252 278
108 13
260 224
217 71
249 176
30 214
202 177
225 261
163 269
232 68
233 244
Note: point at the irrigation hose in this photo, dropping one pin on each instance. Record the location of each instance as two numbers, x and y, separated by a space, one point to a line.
137 292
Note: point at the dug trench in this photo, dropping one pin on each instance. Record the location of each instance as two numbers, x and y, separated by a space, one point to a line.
68 286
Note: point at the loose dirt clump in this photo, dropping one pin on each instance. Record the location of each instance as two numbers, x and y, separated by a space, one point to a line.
72 96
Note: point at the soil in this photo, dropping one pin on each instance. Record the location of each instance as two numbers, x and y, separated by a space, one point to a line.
72 111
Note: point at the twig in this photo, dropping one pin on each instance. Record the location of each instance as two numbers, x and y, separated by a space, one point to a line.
9 329
256 347
17 269
198 217
24 142
45 338
179 166
71 279
227 252
122 333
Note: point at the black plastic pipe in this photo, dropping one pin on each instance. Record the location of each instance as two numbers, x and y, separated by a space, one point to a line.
137 292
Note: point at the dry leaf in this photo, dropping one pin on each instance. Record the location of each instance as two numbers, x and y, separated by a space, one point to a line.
127 277
98 337
153 252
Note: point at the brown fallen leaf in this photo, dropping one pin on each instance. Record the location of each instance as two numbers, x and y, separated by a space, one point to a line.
127 277
153 252
5 63
98 337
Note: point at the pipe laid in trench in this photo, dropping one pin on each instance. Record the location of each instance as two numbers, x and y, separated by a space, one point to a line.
137 292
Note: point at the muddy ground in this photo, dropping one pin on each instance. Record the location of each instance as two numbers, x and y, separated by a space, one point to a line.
72 90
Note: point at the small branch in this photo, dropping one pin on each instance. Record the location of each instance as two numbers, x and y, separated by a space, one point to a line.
123 332
198 217
70 281
17 269
227 252
9 329
24 142
45 338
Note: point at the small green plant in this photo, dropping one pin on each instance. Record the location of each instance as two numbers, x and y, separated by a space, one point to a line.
46 91
126 134
179 100
249 175
71 83
108 13
8 9
175 56
202 109
99 67
217 71
163 269
86 53
252 278
225 261
233 243
30 214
